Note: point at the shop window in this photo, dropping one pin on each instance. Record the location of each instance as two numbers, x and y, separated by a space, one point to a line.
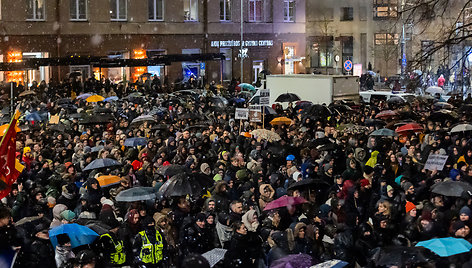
78 10
118 10
225 10
255 10
190 10
156 10
322 53
35 10
384 9
289 10
347 14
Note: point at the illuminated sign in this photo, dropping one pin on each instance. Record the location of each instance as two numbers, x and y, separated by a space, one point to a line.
247 43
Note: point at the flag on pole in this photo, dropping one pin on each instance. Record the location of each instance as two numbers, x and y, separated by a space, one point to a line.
10 167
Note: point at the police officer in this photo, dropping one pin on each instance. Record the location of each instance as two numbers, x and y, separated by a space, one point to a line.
111 248
149 247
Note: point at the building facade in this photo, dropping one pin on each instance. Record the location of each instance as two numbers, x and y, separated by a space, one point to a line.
273 30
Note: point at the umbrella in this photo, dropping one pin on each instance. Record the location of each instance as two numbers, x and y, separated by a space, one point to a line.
219 101
451 188
285 201
302 105
214 256
171 170
97 148
84 96
446 246
110 99
396 100
352 128
98 227
433 90
247 86
237 100
281 121
401 256
79 235
95 98
143 118
136 194
102 163
386 114
461 128
269 110
331 264
184 184
160 127
59 127
443 105
26 93
108 180
33 117
134 142
265 134
26 220
102 119
306 183
293 260
317 110
374 122
287 97
414 127
443 115
196 127
384 132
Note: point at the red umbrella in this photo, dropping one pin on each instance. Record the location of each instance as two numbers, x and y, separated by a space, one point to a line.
414 127
285 201
386 114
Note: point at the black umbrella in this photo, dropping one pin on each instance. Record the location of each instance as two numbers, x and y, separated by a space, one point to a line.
136 194
196 127
374 122
102 163
307 183
402 256
160 127
184 184
317 110
190 116
442 116
287 97
59 127
171 170
106 118
451 188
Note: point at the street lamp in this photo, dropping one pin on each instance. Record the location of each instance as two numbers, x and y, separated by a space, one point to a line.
241 49
403 42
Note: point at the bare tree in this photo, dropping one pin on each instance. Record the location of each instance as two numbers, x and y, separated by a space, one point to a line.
388 52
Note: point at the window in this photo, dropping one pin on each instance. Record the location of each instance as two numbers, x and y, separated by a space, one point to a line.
78 9
191 10
225 10
35 10
384 9
156 10
363 13
255 10
118 10
322 52
347 14
386 39
289 10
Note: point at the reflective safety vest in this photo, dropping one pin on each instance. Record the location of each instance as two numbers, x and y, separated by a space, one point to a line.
118 257
151 253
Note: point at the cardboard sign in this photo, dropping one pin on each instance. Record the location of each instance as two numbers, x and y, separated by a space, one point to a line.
264 97
435 161
255 114
241 113
54 120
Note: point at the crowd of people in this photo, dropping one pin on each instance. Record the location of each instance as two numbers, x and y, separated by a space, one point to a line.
350 194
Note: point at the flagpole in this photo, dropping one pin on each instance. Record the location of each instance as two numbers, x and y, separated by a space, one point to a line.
12 111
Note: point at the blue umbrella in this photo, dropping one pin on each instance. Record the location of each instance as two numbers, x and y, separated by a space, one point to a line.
237 100
133 142
446 246
247 86
331 264
112 98
102 163
84 96
33 117
79 235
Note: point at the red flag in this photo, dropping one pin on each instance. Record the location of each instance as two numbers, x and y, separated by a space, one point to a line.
10 167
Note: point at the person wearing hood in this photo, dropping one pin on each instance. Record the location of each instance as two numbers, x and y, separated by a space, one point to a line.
240 251
224 230
280 242
195 238
364 244
94 195
150 247
63 252
56 212
68 196
219 194
327 173
129 229
251 221
110 247
40 252
352 171
266 195
302 244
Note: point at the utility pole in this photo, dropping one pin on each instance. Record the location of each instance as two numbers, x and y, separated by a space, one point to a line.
241 50
403 42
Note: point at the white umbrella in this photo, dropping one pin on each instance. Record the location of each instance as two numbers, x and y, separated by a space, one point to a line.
214 256
461 128
434 90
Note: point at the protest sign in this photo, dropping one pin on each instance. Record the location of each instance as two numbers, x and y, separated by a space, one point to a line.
436 161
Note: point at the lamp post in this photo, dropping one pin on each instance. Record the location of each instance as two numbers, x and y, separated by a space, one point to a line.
241 49
403 42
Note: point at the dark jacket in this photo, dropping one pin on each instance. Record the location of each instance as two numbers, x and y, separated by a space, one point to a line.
238 254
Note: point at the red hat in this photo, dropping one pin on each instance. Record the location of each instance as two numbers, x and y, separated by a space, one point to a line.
166 163
365 182
409 206
136 165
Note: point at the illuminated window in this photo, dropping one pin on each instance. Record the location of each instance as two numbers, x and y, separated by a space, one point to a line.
191 10
78 10
384 9
35 10
289 10
118 10
322 52
386 39
156 10
255 10
225 10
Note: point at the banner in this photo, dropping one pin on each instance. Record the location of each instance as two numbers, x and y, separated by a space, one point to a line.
436 161
241 113
255 114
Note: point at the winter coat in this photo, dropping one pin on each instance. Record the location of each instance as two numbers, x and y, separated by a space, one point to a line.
239 252
63 255
195 240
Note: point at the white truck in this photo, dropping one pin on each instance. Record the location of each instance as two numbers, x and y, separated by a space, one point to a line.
318 89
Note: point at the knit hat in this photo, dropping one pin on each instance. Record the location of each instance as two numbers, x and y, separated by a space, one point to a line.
241 174
389 188
457 226
465 210
368 169
327 167
67 215
407 185
26 150
200 217
409 206
296 174
365 182
106 201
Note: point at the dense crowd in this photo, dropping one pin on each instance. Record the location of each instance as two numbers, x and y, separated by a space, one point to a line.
216 184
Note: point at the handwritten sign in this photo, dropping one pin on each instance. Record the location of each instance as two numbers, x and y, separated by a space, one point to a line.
264 97
435 161
241 113
255 114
